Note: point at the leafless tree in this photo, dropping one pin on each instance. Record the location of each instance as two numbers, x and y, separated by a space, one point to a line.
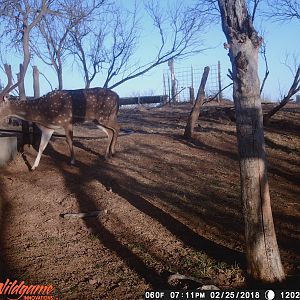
114 55
18 19
243 42
283 10
86 46
54 32
106 44
178 29
123 35
211 9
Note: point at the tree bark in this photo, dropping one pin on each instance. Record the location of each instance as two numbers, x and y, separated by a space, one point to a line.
263 258
21 87
194 115
60 78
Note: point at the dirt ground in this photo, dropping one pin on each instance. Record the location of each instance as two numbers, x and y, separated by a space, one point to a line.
166 205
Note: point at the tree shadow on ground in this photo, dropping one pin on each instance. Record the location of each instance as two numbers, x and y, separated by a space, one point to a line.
107 238
277 146
196 143
122 184
137 194
112 177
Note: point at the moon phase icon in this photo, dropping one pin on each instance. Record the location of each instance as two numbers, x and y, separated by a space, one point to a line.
269 295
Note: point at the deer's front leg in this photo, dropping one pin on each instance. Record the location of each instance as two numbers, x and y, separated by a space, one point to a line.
46 135
69 137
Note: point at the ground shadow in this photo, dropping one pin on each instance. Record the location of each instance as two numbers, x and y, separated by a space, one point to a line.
122 184
4 213
107 238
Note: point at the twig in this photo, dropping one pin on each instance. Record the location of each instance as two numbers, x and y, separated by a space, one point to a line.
83 215
216 95
206 283
47 80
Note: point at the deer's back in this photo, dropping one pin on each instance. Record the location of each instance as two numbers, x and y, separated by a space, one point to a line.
79 105
96 103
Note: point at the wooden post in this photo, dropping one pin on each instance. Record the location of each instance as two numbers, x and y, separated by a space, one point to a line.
192 94
192 90
194 115
36 82
169 90
220 83
173 80
164 82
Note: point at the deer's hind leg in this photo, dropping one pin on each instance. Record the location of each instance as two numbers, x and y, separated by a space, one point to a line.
69 137
115 129
46 135
112 134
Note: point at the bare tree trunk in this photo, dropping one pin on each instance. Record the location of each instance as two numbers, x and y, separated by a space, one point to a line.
194 115
36 89
22 97
20 76
263 258
60 78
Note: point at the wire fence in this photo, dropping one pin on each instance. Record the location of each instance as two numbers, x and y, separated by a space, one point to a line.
187 77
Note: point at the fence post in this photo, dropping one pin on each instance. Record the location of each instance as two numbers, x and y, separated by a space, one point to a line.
192 94
164 82
169 90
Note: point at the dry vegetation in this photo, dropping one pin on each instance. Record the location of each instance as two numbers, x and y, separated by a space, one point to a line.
167 205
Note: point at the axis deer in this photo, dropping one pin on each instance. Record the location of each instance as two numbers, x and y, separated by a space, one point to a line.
62 109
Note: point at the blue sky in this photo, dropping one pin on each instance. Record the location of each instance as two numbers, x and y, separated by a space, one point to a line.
281 38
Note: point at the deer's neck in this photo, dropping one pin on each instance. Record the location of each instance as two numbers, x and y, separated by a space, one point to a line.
19 109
